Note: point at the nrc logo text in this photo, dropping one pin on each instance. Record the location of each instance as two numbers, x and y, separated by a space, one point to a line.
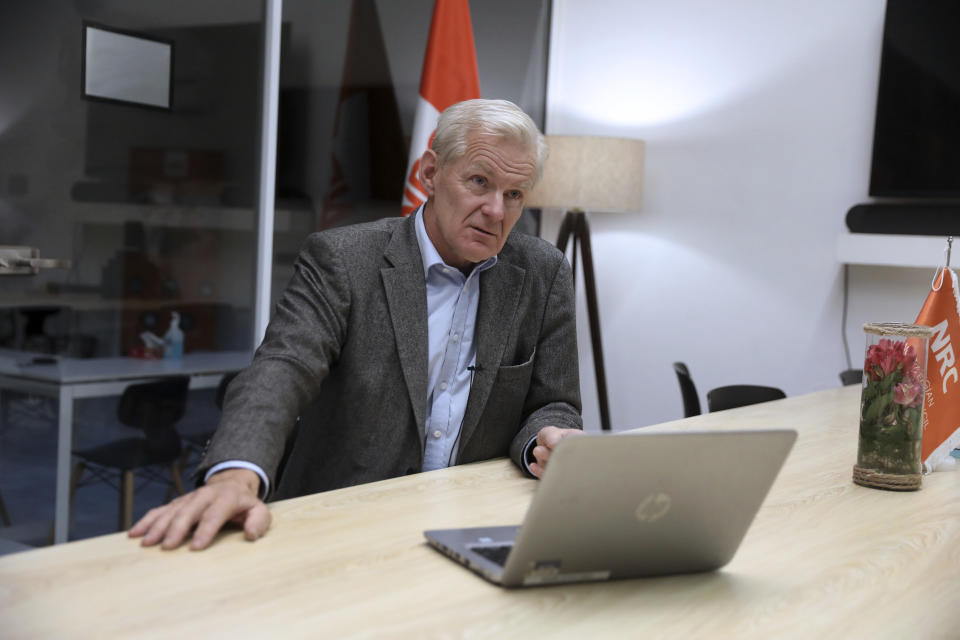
943 352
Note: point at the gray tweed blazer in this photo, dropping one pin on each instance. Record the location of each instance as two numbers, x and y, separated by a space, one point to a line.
346 352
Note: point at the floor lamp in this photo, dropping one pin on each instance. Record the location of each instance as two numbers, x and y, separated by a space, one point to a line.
588 173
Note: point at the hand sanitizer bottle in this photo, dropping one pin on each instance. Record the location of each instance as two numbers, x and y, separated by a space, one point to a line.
173 339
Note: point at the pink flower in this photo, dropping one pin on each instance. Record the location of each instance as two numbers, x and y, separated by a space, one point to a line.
887 356
872 365
909 357
907 394
912 374
880 362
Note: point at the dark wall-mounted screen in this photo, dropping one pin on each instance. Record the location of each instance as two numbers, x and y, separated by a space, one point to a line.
916 144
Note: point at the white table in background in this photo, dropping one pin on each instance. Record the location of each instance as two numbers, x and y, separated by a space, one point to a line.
70 379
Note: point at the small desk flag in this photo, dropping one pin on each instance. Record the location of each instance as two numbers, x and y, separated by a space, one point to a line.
449 75
941 311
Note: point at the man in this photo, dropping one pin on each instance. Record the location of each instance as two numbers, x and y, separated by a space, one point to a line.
403 345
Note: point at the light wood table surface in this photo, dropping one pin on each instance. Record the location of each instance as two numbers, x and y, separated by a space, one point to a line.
823 559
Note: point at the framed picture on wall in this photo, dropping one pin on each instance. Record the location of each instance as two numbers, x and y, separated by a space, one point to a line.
126 67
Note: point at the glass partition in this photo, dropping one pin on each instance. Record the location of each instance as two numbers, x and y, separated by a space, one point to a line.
152 204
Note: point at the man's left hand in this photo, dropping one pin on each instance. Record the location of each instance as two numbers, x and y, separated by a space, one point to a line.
547 440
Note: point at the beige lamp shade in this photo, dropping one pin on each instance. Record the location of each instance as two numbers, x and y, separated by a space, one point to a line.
591 173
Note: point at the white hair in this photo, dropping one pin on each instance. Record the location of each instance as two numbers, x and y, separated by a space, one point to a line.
500 118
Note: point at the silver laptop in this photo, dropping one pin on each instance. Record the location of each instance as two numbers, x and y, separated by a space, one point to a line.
628 505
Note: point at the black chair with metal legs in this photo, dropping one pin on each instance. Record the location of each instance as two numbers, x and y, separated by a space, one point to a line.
851 376
195 442
688 390
727 397
154 407
741 395
222 389
4 516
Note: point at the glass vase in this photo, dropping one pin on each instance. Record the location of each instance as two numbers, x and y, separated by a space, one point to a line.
891 406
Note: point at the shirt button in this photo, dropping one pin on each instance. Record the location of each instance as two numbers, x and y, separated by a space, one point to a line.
443 386
437 434
455 337
446 270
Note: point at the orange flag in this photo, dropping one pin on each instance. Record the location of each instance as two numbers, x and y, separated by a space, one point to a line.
941 430
449 75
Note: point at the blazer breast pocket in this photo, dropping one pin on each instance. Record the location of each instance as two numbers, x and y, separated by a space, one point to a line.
502 413
516 371
510 388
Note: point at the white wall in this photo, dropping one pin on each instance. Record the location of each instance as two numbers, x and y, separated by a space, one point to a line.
758 119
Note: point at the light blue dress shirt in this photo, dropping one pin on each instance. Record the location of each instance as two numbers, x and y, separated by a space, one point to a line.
452 300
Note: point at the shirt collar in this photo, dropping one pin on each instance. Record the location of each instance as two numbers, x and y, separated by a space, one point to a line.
428 252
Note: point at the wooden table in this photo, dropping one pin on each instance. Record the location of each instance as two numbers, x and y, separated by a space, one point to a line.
70 379
824 559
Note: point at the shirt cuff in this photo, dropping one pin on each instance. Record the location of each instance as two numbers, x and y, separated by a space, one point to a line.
242 464
527 456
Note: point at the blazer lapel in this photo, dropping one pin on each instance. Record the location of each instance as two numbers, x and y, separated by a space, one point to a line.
500 289
406 293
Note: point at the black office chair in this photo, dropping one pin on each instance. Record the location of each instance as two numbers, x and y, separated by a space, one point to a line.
154 407
8 328
728 397
691 402
194 442
4 516
222 388
36 338
851 376
741 395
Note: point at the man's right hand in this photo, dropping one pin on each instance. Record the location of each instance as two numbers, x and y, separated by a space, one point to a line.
227 496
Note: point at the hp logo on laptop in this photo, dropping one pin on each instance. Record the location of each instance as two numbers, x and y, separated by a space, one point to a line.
653 507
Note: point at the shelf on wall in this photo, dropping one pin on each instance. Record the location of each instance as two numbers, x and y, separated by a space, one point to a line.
210 217
893 250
